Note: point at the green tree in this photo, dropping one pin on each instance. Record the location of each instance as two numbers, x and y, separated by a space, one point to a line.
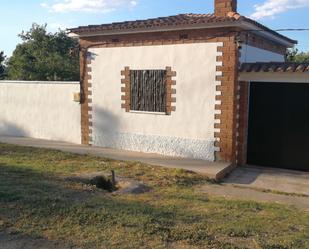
44 56
295 56
2 66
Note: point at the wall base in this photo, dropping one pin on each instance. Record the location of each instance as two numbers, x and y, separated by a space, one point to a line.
170 146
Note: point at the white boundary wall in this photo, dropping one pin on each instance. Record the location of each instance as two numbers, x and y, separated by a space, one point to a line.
187 132
43 110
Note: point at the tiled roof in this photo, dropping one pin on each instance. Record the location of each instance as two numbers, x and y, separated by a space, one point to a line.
274 67
177 20
173 21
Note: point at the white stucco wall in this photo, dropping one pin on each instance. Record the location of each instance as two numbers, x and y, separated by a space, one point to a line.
251 54
188 132
43 110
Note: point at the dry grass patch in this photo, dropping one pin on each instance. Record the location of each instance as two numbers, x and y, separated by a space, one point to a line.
36 201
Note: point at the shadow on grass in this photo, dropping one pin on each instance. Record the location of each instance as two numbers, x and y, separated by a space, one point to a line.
9 240
38 204
43 204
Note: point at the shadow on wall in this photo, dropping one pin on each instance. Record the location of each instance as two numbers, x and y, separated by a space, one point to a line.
91 55
9 129
106 126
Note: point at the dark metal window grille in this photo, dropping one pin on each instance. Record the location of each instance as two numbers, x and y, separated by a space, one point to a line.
148 90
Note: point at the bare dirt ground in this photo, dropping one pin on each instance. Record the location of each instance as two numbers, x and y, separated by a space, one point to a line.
242 193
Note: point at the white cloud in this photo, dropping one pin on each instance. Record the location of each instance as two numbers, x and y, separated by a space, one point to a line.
44 5
87 5
55 26
271 8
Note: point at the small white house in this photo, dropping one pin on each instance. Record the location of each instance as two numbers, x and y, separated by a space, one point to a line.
206 86
170 85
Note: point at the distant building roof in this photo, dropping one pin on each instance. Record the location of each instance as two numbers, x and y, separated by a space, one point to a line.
274 67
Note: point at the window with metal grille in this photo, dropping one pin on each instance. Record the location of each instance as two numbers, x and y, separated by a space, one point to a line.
148 90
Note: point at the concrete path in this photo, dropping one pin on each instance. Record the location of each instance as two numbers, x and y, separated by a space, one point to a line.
280 180
247 194
213 170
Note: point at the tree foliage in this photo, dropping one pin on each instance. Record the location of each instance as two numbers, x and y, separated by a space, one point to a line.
44 56
295 56
2 66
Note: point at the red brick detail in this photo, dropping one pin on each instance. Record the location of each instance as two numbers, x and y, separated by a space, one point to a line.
223 7
226 110
243 120
126 89
156 38
86 99
170 91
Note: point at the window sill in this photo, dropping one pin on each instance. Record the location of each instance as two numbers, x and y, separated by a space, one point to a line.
153 113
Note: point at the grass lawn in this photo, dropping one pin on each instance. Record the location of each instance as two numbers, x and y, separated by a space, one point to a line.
37 201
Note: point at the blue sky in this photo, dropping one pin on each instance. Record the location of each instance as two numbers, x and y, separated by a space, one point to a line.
18 15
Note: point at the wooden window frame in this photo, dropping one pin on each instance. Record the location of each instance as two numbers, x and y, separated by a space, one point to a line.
170 92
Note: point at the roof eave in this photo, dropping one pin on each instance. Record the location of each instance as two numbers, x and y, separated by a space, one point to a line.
243 24
152 29
283 41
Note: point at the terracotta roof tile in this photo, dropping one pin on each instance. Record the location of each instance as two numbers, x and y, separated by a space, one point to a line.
182 19
173 21
258 67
